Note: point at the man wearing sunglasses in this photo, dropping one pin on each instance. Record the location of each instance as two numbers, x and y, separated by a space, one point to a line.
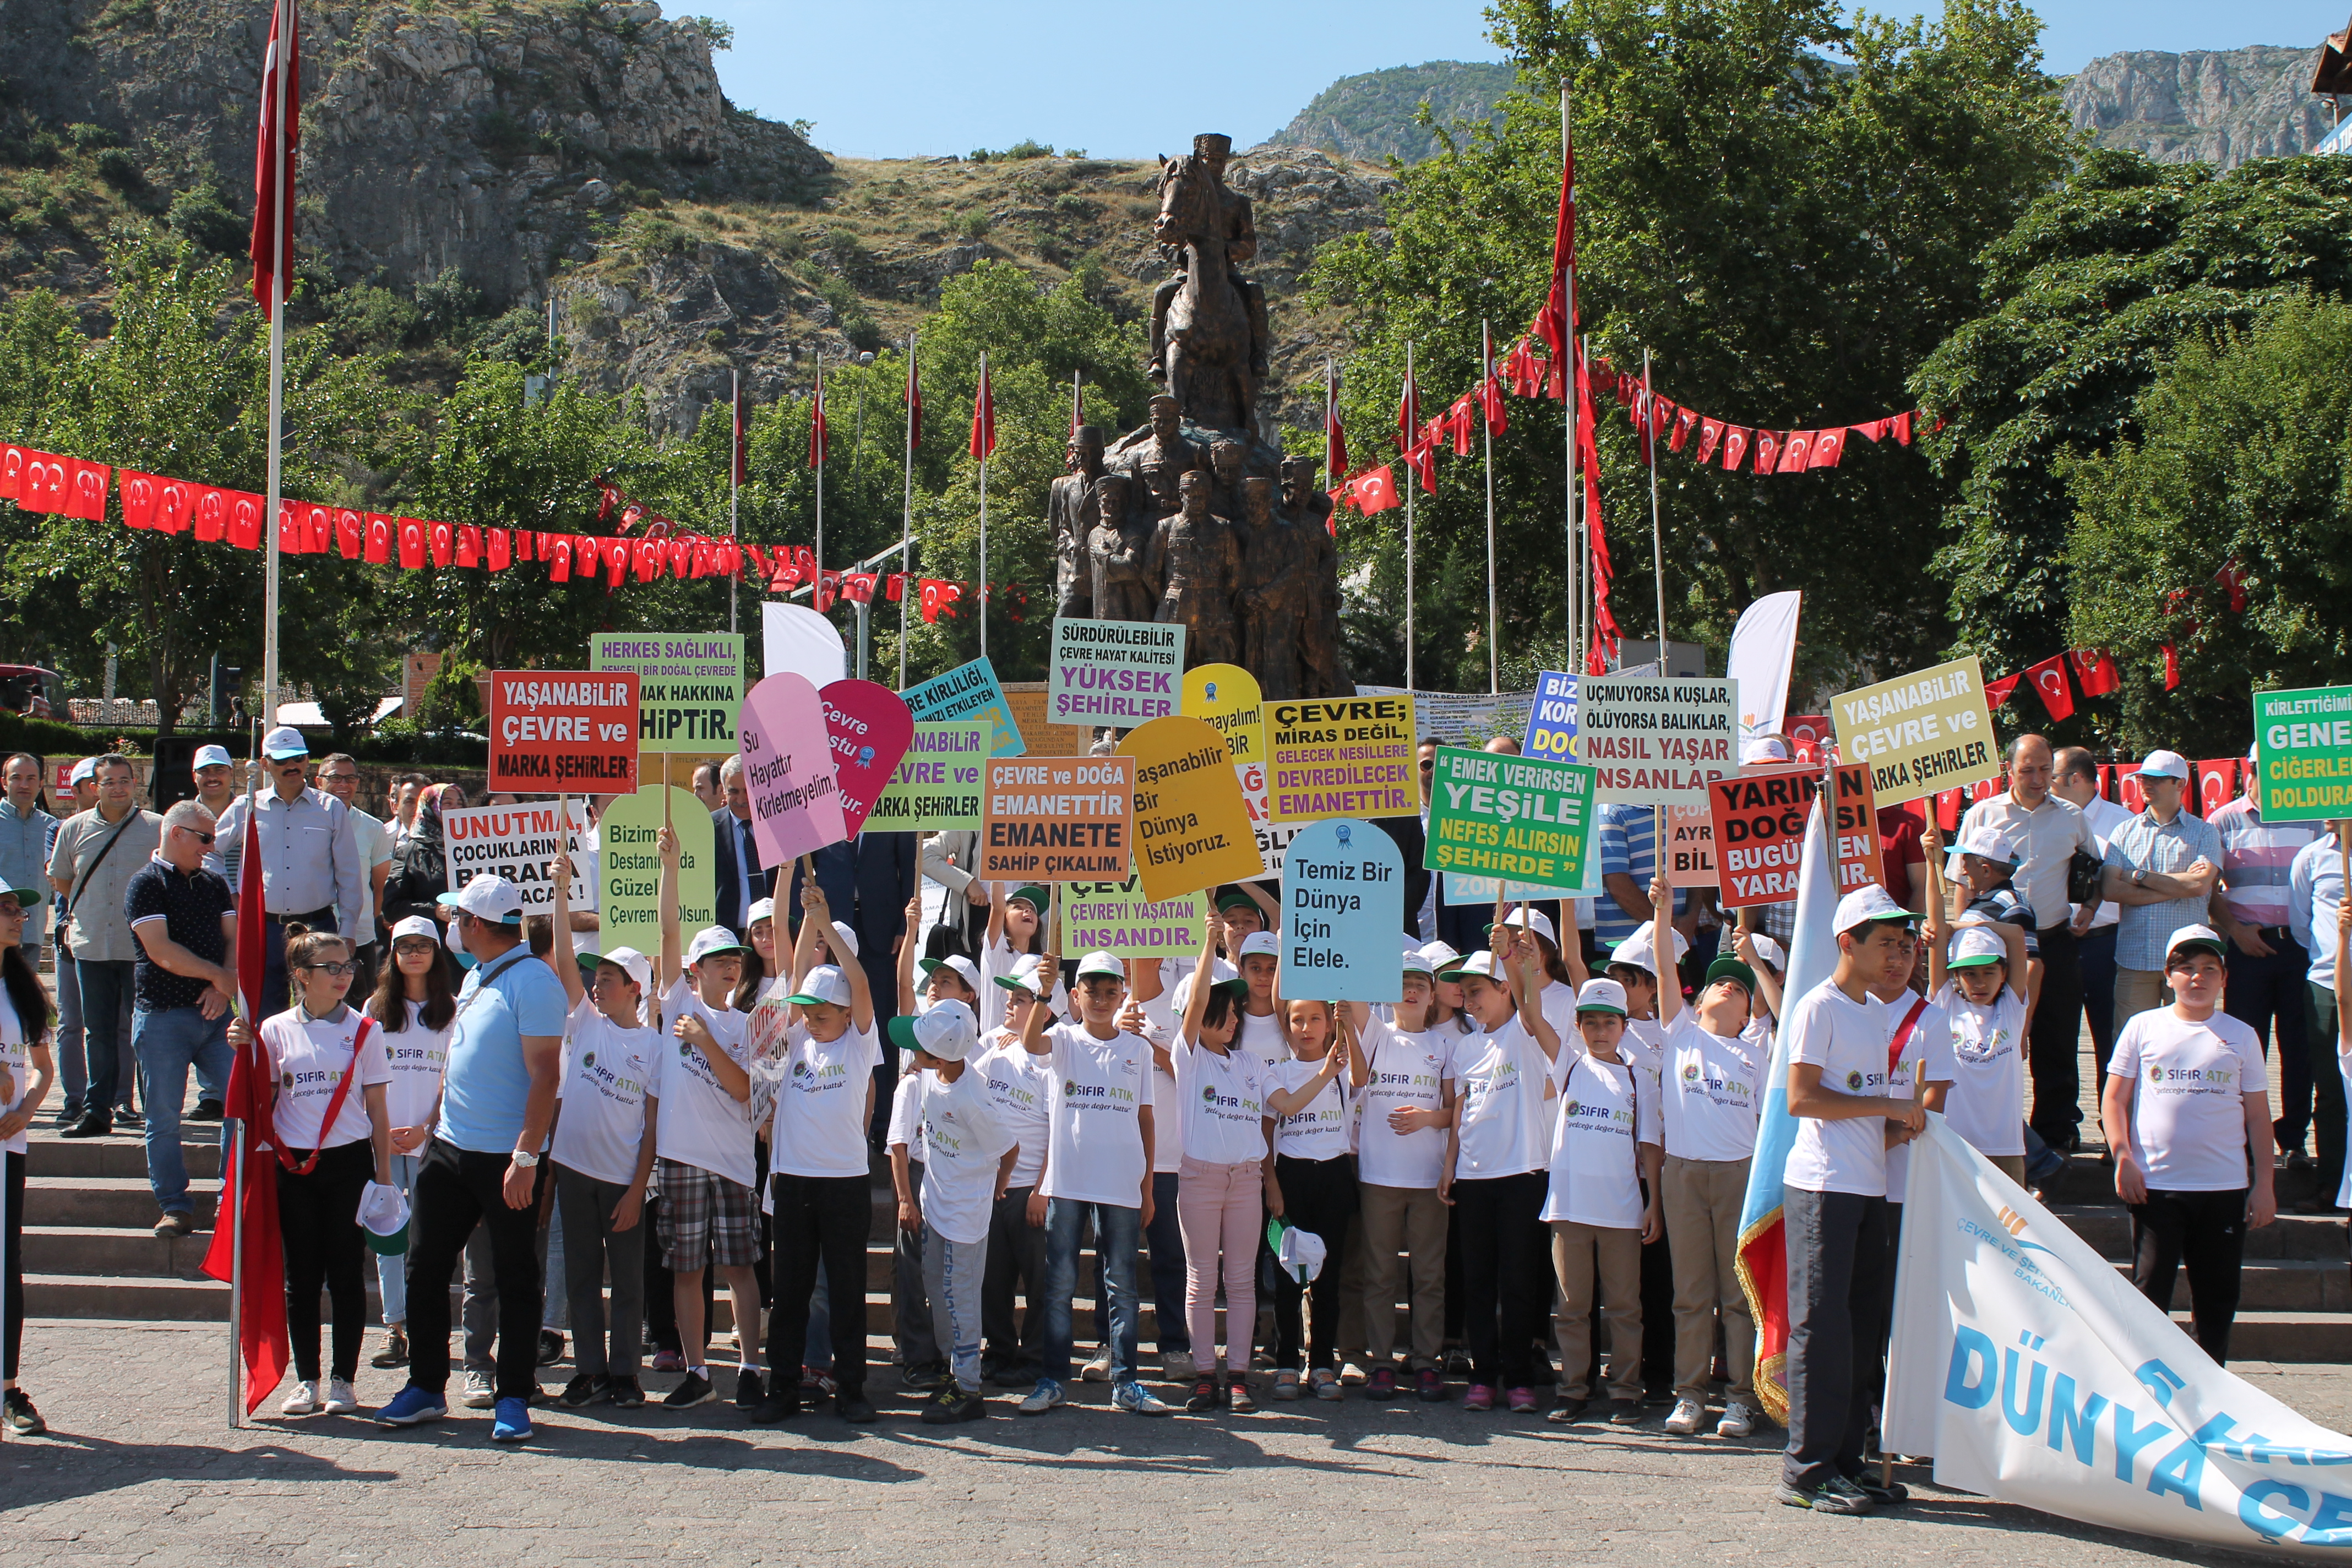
311 865
185 923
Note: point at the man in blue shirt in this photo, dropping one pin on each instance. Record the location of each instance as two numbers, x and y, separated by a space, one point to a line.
2162 867
482 1166
2314 892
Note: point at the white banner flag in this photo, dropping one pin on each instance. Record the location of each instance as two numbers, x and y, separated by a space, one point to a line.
2035 1374
1763 646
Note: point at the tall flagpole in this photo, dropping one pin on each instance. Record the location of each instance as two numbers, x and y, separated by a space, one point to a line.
1575 627
1494 621
1410 486
282 26
906 523
814 413
987 392
1589 631
1657 544
734 482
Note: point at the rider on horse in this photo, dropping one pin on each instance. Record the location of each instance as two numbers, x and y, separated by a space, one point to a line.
1239 235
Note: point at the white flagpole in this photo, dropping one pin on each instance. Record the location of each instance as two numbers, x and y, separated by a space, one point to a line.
283 25
1575 627
988 392
1589 631
1409 487
906 523
1657 536
734 471
820 475
1493 620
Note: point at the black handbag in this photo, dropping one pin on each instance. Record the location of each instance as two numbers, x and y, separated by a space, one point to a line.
2085 871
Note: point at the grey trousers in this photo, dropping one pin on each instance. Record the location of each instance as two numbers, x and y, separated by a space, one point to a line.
953 1274
592 1250
910 1308
1838 1264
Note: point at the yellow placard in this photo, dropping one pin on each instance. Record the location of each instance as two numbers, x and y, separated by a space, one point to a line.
1192 824
1342 756
1921 733
1227 696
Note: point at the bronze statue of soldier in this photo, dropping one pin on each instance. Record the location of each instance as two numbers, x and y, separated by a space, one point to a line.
1069 515
1194 559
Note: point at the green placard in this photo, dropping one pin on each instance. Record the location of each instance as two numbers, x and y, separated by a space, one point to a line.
629 870
1528 820
1115 917
937 786
2305 752
690 686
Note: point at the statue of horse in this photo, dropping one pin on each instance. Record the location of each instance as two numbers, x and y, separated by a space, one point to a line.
1208 349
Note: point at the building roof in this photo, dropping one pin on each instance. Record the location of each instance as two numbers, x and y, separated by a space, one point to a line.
2335 73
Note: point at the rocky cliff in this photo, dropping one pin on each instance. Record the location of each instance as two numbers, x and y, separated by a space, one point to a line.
2216 107
1373 118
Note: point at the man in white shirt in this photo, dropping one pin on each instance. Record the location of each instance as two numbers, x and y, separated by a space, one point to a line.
1833 1196
2094 923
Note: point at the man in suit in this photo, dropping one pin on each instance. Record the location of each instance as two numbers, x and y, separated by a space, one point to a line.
741 880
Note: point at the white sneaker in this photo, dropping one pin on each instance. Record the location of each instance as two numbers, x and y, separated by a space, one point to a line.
341 1401
1738 1421
481 1391
1176 1366
303 1400
1098 1368
1351 1375
1688 1416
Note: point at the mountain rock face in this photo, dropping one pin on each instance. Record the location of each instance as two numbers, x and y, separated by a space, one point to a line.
2215 107
1370 118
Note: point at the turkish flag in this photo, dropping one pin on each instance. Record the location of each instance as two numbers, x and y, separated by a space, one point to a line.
1997 691
273 209
895 587
2095 672
1900 427
469 544
1710 437
1829 445
1461 419
2216 786
140 493
2129 792
681 559
351 533
1798 455
1948 805
616 553
443 540
411 543
914 399
377 551
819 439
2171 666
175 505
984 416
209 515
829 589
85 486
499 549
1373 491
42 487
559 559
1871 431
1985 789
1686 421
858 586
244 519
2049 678
928 601
319 528
1523 370
524 541
1767 450
12 472
1421 458
1490 400
1736 439
589 551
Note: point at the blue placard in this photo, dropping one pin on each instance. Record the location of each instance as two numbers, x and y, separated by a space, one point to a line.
967 691
1342 913
1551 719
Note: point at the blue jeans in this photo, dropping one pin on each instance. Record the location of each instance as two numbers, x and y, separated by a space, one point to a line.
105 1014
169 1043
1115 1230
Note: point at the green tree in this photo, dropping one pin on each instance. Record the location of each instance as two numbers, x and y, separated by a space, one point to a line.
1788 238
2242 456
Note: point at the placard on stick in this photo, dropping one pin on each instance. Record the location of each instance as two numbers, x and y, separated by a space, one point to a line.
1058 819
788 769
519 843
1192 824
1760 816
1522 819
1116 673
2303 742
630 869
1348 756
1342 913
1119 917
1656 740
869 730
690 686
558 730
937 786
967 691
1919 733
1551 719
1690 847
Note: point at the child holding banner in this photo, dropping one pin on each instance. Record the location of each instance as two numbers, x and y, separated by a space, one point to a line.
1019 1084
1496 1153
1220 1182
1405 1106
1014 922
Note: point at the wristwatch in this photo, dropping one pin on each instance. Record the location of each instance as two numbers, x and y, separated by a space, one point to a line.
524 1158
2139 877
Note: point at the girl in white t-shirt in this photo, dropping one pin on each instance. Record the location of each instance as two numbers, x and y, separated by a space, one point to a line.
1980 987
1222 1125
1313 1184
1019 1084
416 1008
762 971
26 1071
1016 931
330 1140
1402 1115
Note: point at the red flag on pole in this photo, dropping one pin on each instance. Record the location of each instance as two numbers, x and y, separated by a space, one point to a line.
272 240
1555 323
1997 691
914 401
1373 491
2049 678
1335 439
984 417
818 440
247 1249
743 469
2095 672
1408 415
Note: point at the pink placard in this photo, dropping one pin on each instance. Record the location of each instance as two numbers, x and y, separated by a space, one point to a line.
870 730
788 769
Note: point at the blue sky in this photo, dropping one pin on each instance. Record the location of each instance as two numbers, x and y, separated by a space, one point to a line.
889 78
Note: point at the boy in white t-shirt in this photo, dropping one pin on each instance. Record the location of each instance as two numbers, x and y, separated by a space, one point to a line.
1099 1142
967 1158
1634 965
2187 1111
1403 1113
1833 1193
1015 1345
701 1120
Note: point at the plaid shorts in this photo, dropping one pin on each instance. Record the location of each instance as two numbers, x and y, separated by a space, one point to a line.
699 1209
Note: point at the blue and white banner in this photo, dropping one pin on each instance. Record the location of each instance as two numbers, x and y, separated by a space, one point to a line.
2035 1374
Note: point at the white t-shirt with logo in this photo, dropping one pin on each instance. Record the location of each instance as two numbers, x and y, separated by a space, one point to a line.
699 1123
905 1123
963 1145
821 1087
1319 1129
17 1056
1503 1122
1022 1082
418 1057
308 1060
1407 1069
1096 1138
1926 1058
1847 1040
607 1073
1987 1102
1159 1018
1606 1111
1709 1092
1223 1101
1262 1037
2189 1105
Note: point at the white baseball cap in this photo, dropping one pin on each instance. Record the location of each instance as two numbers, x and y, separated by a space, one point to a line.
1769 950
1765 749
85 768
823 983
1418 962
843 937
211 757
958 962
2201 937
946 1030
1257 942
2164 765
1026 976
1528 918
283 744
1602 996
761 909
416 925
1108 964
1987 843
488 898
635 965
710 940
1439 955
1867 903
1481 964
1975 945
1640 951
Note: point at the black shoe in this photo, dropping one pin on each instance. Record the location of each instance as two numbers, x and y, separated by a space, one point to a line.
779 1405
953 1404
853 1408
692 1391
17 1412
925 1376
628 1394
749 1391
1624 1412
206 1111
1833 1497
550 1347
68 1114
585 1389
1207 1394
1566 1410
1881 1495
94 1126
125 1116
395 1351
1017 1378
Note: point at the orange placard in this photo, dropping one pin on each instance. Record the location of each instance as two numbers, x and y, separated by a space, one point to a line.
1058 819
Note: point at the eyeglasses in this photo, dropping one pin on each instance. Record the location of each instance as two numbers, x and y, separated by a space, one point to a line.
333 968
199 838
416 947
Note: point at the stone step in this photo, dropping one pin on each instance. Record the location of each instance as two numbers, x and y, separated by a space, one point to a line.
2107 1228
106 1202
120 1153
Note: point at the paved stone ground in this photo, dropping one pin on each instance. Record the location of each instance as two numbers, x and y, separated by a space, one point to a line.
140 1469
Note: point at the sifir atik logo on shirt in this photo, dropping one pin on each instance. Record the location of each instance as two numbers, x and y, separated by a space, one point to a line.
2192 1080
1993 1045
1861 1082
1087 1094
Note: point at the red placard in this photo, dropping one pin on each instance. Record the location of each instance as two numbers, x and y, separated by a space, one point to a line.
564 731
1856 829
1758 818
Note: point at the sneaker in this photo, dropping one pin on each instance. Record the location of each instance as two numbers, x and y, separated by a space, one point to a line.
1381 1384
1738 1421
1430 1385
17 1413
1833 1497
411 1405
1326 1386
1566 1409
782 1404
953 1404
512 1422
1520 1401
691 1391
1882 1494
1352 1374
550 1347
1688 1417
668 1361
1176 1366
396 1349
340 1400
852 1406
1286 1384
303 1400
628 1394
1480 1397
1044 1397
748 1390
585 1389
481 1391
175 1223
1240 1398
815 1384
128 1116
1137 1400
1206 1394
206 1111
1458 1364
926 1376
1624 1412
1098 1368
